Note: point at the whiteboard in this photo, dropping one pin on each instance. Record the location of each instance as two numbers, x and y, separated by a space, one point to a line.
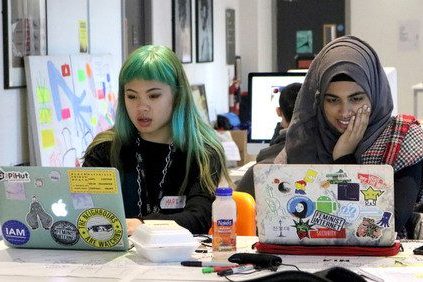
71 98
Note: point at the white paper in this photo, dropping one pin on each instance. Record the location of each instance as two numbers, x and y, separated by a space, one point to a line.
231 151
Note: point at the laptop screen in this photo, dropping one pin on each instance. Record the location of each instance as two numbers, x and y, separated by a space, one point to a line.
264 88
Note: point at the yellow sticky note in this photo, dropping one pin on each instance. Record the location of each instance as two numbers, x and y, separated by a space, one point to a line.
43 94
47 138
92 181
45 116
93 121
83 36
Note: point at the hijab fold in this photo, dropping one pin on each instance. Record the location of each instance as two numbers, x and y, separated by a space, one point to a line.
310 138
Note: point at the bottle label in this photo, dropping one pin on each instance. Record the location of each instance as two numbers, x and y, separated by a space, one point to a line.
224 235
225 222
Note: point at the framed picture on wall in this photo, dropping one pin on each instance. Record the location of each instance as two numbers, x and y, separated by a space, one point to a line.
204 28
182 34
24 33
200 100
230 36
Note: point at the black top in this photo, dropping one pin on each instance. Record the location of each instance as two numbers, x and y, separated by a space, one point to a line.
406 189
195 216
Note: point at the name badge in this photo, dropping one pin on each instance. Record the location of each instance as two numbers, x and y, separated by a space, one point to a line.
173 202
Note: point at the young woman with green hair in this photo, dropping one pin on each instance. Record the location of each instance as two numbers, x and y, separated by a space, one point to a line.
170 161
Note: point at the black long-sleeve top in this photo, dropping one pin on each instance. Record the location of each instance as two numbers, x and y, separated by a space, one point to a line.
195 216
406 189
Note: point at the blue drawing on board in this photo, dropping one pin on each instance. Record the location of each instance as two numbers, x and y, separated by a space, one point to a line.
56 81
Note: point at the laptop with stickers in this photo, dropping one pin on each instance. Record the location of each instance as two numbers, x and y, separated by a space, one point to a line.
325 204
62 208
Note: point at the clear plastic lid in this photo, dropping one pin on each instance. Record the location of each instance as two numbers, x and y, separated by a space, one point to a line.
224 191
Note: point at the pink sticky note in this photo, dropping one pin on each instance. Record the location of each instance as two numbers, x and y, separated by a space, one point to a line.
66 113
100 94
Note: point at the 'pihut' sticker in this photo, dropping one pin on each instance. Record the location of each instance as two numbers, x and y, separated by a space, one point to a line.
64 233
100 228
15 232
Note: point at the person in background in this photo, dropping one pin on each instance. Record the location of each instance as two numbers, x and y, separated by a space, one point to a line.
343 116
170 161
287 98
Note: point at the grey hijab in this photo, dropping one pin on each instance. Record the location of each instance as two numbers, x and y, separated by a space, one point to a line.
310 138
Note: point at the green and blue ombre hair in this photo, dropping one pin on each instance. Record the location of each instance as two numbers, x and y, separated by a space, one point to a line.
189 132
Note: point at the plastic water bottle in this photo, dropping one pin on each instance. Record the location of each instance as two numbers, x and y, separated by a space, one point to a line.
224 224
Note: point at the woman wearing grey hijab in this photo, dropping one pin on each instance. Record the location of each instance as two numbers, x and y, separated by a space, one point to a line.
343 115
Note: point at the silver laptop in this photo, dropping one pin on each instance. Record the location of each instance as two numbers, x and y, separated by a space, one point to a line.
62 208
325 204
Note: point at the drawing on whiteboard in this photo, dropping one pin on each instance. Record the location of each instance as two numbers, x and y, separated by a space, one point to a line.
71 99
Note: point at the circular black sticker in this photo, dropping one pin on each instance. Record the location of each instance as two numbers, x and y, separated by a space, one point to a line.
64 233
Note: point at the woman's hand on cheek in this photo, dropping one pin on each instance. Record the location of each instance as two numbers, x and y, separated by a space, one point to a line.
349 140
132 225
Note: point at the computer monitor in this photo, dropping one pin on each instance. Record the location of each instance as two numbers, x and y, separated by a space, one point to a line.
392 76
264 88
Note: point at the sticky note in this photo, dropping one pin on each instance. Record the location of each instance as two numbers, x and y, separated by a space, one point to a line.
81 75
43 94
66 113
45 116
93 121
65 70
47 138
88 70
100 94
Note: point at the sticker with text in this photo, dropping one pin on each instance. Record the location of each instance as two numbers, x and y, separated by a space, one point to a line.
15 232
327 233
92 181
372 180
348 191
327 220
100 228
173 202
338 177
64 233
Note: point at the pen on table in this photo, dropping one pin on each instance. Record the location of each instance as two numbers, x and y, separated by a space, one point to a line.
211 269
207 263
235 270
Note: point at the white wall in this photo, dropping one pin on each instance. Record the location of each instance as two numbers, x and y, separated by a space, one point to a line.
367 18
215 75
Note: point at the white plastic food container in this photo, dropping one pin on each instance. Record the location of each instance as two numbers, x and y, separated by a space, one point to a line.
164 241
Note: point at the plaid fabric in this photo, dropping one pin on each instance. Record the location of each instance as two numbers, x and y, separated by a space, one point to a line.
400 144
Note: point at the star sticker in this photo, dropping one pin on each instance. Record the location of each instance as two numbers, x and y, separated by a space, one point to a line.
371 194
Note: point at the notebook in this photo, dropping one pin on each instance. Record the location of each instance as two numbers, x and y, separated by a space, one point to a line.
325 204
62 208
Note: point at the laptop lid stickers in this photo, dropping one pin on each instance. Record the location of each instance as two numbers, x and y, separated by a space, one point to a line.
325 204
56 207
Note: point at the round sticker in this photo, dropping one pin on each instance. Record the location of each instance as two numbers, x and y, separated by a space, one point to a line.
64 233
300 206
54 176
15 232
100 228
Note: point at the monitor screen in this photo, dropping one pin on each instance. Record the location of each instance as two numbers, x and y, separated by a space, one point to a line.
263 88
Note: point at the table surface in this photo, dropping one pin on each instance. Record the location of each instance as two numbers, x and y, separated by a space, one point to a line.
65 265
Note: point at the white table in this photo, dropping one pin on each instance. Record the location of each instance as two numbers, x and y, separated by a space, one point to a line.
416 89
60 265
